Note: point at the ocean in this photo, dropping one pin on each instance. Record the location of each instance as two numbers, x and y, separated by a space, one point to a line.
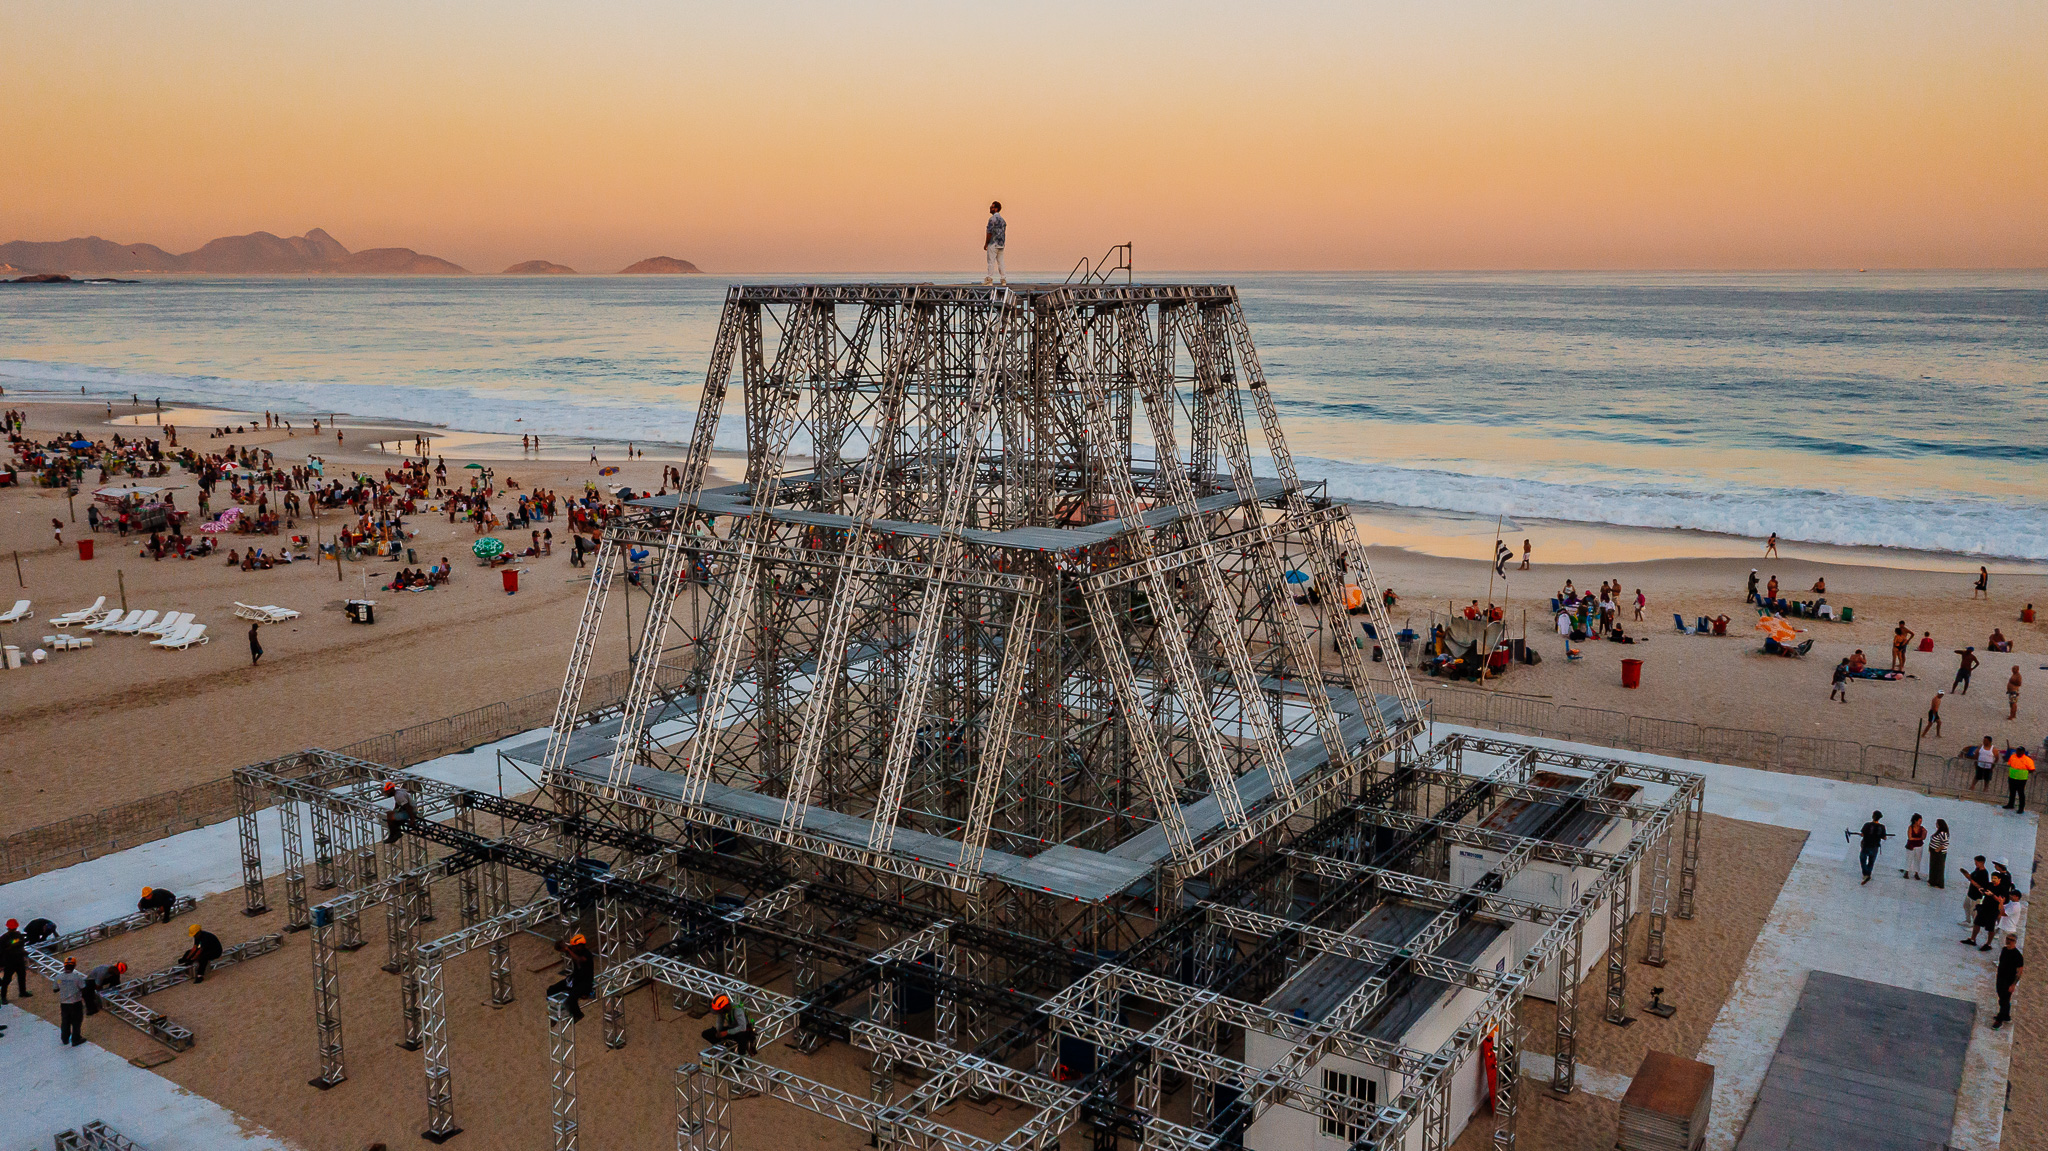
1883 410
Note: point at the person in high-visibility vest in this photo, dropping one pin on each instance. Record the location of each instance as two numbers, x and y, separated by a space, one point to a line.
2019 768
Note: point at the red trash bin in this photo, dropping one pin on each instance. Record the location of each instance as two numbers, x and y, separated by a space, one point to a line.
85 549
1631 673
511 577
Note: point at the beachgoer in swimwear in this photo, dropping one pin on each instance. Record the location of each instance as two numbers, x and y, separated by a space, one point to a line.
1902 637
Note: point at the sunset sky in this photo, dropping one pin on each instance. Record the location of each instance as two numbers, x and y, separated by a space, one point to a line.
796 136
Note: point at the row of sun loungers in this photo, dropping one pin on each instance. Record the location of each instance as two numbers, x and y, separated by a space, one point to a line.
172 630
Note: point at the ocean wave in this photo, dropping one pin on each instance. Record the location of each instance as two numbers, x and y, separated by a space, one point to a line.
1958 525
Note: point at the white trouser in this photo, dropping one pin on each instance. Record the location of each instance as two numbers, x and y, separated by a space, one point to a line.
995 264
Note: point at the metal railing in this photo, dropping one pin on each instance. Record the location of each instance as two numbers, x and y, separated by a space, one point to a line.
124 825
1930 771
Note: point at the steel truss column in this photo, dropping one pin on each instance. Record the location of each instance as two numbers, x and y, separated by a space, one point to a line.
1145 1100
498 901
1563 1067
394 914
440 1090
323 846
1619 912
1507 1059
247 802
289 814
1660 900
882 1013
465 882
326 1001
1689 868
562 1083
714 1102
610 940
350 876
410 898
807 975
1436 1116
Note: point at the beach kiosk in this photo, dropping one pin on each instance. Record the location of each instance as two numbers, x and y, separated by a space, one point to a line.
1548 882
1420 1014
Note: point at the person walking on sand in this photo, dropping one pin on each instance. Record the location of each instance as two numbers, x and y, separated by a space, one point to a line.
1527 549
2011 965
1642 602
1983 588
2012 694
992 241
1916 843
1751 597
1933 724
1937 855
1902 638
1966 662
1771 547
1840 690
255 646
1874 835
57 530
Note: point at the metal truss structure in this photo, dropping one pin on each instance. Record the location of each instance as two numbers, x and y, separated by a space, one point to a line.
95 1136
1008 686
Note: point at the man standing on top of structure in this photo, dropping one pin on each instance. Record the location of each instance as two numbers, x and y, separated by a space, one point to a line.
992 242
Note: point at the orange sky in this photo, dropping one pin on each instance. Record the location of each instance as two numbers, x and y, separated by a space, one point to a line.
796 136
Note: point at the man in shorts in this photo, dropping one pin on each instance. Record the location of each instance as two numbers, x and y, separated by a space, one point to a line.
2012 694
1933 724
1966 662
1986 759
1902 636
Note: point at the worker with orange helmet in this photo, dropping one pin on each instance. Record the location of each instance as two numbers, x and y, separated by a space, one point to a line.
204 950
403 810
13 959
731 1026
579 973
159 900
105 977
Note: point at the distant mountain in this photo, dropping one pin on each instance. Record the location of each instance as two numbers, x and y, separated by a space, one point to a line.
258 253
660 266
538 268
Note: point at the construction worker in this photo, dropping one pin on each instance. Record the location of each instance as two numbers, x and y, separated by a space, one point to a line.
13 959
731 1027
39 930
105 977
204 950
403 810
159 900
71 984
579 973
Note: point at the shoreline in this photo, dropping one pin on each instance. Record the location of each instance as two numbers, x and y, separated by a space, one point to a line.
1420 532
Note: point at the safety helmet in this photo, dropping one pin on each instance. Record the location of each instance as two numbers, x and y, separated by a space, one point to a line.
147 891
721 1003
121 968
70 961
13 923
390 786
576 940
192 930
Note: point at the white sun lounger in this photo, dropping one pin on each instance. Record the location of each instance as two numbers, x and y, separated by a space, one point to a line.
132 626
166 625
266 613
115 621
82 615
192 633
280 613
20 612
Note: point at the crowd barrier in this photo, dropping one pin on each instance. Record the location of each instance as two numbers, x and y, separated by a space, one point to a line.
124 825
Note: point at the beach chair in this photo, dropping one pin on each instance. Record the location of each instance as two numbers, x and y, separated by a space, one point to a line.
82 615
113 621
279 614
17 613
166 625
191 634
1682 629
131 626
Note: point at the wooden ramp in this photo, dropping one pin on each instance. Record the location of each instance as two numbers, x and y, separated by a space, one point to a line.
1863 1065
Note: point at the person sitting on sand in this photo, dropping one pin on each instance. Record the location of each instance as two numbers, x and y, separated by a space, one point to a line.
234 559
1857 662
1820 586
1998 642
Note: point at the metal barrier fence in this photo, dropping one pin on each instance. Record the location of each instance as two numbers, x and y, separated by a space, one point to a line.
1930 771
152 817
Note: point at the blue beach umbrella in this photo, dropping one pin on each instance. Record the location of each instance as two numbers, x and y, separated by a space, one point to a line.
1297 576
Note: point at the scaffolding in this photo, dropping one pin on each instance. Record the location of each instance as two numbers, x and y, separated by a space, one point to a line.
1012 682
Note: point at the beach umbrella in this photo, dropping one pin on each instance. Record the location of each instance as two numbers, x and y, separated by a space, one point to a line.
1778 629
1354 596
1297 576
607 471
488 548
478 467
212 527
